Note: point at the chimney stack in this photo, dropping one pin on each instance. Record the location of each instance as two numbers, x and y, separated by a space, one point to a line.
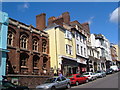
66 17
51 20
41 21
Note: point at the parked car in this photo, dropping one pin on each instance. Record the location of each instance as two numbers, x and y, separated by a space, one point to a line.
5 85
77 78
101 73
115 68
109 71
55 83
119 68
90 75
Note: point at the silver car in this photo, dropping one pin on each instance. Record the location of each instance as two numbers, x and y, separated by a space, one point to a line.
55 83
100 73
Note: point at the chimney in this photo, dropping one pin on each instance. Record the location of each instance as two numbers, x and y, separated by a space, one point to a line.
86 25
40 21
50 20
66 17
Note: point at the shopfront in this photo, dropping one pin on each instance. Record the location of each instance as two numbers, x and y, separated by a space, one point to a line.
69 66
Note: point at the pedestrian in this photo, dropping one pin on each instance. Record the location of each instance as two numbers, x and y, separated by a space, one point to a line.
60 74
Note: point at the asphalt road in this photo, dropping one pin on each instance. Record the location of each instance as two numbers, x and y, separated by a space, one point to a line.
110 81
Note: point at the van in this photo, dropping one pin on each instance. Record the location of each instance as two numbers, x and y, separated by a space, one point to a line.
115 68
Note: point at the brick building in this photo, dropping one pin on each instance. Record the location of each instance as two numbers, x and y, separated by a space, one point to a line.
29 49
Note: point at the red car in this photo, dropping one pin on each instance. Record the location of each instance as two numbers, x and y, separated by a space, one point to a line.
77 78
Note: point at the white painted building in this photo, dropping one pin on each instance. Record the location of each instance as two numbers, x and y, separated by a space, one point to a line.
103 46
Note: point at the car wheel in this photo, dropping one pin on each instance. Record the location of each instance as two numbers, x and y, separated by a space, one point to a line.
87 81
77 83
68 86
53 88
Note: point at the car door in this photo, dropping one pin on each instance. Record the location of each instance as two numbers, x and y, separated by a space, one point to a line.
78 78
63 82
83 78
58 83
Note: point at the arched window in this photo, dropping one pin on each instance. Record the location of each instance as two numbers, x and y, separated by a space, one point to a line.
23 59
23 41
35 44
10 38
44 45
35 60
45 62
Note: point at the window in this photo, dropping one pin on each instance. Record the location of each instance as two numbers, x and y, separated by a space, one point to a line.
69 49
78 48
77 36
23 41
35 60
84 52
44 45
10 38
84 40
81 50
35 44
80 38
23 59
45 62
63 78
68 35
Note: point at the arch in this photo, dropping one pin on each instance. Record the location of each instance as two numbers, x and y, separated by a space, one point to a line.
23 41
23 59
36 59
35 44
45 60
44 45
10 36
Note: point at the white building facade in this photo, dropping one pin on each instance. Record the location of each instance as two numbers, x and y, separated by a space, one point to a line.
102 45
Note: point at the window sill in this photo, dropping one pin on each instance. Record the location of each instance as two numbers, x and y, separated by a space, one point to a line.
35 68
24 67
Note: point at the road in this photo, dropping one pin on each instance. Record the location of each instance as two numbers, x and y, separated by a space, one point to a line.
110 81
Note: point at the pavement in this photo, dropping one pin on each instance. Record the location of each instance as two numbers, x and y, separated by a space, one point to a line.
110 81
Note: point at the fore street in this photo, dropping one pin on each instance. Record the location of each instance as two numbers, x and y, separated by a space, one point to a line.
110 81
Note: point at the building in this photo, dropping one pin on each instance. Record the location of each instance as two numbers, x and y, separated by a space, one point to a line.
3 42
81 45
94 59
103 46
62 45
118 54
29 51
114 54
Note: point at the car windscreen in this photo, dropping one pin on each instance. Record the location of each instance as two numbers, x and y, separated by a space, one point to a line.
50 80
85 73
98 72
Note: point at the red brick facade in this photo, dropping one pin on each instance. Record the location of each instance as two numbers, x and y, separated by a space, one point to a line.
29 50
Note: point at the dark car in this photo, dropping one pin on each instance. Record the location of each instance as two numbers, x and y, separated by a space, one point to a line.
5 85
109 71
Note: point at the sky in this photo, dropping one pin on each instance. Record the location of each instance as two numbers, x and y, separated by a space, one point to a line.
102 16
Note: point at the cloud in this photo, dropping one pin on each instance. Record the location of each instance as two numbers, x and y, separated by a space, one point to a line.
90 20
23 7
26 5
114 16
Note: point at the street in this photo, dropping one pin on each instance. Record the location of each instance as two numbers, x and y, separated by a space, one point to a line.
110 81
